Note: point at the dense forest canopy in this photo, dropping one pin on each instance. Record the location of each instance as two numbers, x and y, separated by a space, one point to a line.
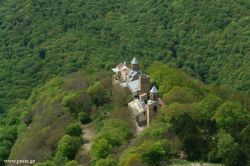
40 39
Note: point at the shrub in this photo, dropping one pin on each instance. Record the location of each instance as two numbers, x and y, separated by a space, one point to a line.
115 131
131 159
156 130
228 150
84 117
99 94
120 96
68 146
71 163
77 102
153 153
60 159
74 129
226 145
27 117
101 148
106 162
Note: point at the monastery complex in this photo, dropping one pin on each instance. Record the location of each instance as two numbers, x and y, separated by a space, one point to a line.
146 102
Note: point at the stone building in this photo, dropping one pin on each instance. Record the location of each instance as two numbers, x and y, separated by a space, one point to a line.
145 103
143 111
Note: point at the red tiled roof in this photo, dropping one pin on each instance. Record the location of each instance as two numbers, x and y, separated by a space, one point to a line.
161 102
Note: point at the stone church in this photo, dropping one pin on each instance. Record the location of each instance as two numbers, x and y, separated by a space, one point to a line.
145 103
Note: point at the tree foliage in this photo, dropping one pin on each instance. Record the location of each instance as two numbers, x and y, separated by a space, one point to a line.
231 117
68 146
153 154
196 115
37 124
101 148
74 129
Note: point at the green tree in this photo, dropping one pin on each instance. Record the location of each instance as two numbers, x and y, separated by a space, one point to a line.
228 149
226 144
98 93
209 105
180 94
245 143
74 129
115 131
60 158
101 148
231 117
84 117
77 102
153 153
68 146
184 121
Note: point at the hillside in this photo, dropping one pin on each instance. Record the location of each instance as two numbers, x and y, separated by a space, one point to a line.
56 92
198 123
41 39
53 113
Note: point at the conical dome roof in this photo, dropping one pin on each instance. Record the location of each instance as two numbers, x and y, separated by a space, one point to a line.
154 89
134 61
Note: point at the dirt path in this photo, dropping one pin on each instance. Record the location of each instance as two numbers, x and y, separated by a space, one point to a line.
87 136
82 156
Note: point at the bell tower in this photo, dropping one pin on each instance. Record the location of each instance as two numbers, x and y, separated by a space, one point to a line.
154 94
153 104
135 64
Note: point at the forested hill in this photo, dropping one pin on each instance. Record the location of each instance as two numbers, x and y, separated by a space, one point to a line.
197 123
40 39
